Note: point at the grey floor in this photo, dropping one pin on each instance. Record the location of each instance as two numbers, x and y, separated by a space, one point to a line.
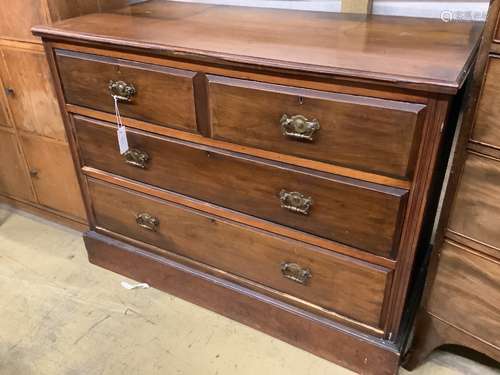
59 315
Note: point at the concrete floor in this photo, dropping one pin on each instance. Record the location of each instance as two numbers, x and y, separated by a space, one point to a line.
61 315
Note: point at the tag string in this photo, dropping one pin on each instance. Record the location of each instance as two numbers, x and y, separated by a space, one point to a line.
117 112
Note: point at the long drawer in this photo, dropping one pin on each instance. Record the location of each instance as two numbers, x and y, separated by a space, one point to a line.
349 211
337 283
146 92
364 133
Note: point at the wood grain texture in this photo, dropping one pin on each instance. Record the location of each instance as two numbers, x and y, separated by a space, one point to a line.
338 283
63 9
4 121
33 102
54 176
197 138
371 220
476 210
468 285
358 132
293 325
336 84
17 18
428 54
239 217
487 126
164 96
14 178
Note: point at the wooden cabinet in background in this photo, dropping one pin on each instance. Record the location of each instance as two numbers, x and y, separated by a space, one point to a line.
32 99
36 168
4 120
476 210
53 173
14 179
466 292
461 303
487 127
18 16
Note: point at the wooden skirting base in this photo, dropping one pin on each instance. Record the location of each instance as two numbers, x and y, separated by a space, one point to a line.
46 213
360 353
432 332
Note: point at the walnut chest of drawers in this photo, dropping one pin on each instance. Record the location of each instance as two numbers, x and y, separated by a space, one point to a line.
280 163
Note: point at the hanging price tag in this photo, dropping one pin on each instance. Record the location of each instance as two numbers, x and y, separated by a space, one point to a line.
122 139
121 132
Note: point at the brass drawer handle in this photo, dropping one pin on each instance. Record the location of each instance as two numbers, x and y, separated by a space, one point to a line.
295 272
299 127
147 221
136 157
122 91
295 202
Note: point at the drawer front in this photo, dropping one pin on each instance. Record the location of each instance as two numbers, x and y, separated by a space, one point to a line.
487 126
466 292
476 210
337 283
364 133
353 212
156 94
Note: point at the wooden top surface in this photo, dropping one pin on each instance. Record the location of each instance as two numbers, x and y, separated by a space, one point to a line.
409 52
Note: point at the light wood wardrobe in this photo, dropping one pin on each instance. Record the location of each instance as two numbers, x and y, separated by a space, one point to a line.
36 169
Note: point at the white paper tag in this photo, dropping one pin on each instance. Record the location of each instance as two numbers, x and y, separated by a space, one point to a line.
122 139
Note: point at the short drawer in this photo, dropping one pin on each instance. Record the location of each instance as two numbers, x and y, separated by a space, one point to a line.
487 125
364 133
353 212
476 210
466 292
151 93
337 283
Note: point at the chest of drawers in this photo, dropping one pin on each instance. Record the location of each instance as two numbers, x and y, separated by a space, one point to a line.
278 175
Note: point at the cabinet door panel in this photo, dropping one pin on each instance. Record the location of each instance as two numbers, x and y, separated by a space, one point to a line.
487 127
3 116
33 101
466 292
476 211
17 17
14 179
55 181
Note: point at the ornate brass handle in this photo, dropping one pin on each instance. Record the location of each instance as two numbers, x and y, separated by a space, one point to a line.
299 127
121 90
147 221
295 272
136 157
295 202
